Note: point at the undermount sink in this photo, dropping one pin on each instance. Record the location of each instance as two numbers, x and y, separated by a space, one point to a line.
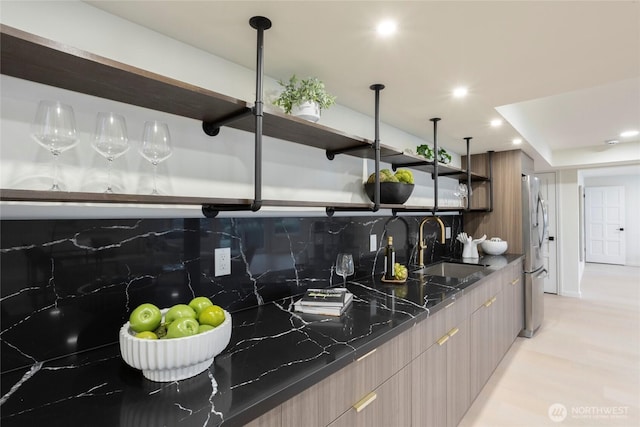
450 269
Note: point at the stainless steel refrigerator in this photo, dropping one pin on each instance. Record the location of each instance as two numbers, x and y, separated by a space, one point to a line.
534 228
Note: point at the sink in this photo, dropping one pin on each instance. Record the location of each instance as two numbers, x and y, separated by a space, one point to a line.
450 269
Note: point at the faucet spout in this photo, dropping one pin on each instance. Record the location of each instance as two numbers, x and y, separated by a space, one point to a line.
421 245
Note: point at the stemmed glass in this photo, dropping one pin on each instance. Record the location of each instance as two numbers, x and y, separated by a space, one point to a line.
463 193
156 146
344 267
54 128
111 140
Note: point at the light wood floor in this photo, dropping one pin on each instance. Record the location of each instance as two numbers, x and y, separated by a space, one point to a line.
586 356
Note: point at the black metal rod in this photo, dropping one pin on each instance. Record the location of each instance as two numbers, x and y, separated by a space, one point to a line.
376 145
490 181
468 138
260 23
435 121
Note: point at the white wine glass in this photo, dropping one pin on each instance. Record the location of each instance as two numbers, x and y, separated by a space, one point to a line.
156 146
111 140
344 267
54 128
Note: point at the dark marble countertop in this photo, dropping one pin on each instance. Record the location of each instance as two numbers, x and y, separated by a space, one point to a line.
273 355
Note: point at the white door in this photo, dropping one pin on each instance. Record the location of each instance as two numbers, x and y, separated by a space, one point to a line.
549 246
604 225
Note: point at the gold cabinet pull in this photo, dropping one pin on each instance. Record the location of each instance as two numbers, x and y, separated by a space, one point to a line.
366 355
443 340
493 299
515 281
488 303
365 401
450 304
453 332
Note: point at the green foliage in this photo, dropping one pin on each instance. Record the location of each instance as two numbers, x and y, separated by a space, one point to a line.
443 156
425 151
298 91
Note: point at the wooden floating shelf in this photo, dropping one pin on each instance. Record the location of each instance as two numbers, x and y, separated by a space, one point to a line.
30 57
11 195
110 198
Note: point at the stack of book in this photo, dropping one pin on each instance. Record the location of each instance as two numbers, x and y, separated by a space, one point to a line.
328 302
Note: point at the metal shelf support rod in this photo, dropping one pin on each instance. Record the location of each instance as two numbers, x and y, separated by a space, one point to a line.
435 121
260 24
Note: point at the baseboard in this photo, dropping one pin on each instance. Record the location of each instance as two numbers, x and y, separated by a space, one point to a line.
571 294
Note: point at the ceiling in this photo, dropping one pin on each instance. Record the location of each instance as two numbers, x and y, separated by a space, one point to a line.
562 75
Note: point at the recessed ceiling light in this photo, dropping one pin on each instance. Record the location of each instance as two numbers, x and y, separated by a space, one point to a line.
496 122
516 141
629 133
460 92
611 141
386 28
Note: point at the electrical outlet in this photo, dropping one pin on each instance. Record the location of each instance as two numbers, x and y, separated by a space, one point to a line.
222 261
373 243
447 232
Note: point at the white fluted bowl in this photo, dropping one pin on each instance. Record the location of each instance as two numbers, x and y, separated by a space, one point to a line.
494 247
174 359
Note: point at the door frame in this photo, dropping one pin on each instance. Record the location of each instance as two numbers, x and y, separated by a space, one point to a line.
621 259
552 208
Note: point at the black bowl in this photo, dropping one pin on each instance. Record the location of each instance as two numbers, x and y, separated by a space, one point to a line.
392 193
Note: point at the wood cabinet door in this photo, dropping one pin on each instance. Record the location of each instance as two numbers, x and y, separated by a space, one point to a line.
458 373
479 340
517 282
429 387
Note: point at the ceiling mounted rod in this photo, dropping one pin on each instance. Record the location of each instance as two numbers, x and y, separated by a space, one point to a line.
376 146
435 121
468 138
260 24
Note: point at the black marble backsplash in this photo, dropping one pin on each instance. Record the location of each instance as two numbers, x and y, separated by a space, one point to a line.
66 286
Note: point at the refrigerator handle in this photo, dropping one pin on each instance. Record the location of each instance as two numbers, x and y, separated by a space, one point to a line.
543 274
545 218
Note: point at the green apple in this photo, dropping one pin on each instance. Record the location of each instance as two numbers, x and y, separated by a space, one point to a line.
179 311
145 317
200 303
213 316
147 335
205 328
182 327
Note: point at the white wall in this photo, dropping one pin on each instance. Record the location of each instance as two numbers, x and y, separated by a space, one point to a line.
201 165
569 265
631 184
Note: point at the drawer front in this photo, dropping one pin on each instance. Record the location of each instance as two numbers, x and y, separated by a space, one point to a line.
333 396
388 405
478 295
427 331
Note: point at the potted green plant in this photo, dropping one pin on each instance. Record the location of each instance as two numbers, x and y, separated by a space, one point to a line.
425 151
443 156
304 98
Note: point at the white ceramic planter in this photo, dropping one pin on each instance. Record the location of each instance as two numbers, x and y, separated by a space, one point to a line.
176 358
307 110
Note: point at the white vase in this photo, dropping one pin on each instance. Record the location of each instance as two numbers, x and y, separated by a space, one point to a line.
307 110
470 250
